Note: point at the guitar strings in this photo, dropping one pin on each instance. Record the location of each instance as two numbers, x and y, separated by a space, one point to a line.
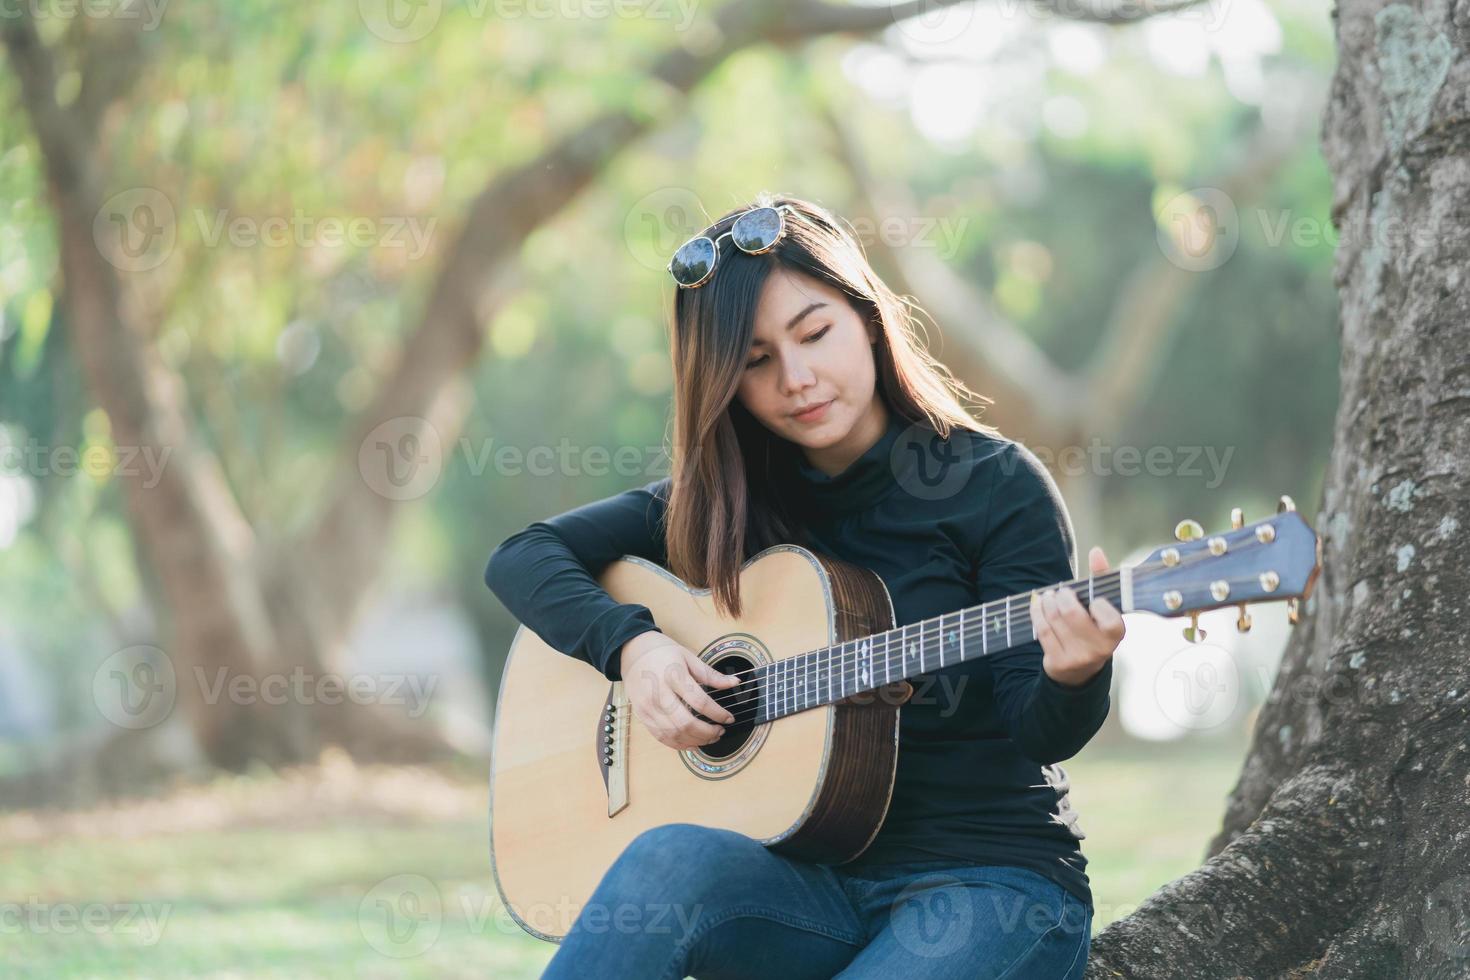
1110 581
1020 619
882 657
784 670
790 695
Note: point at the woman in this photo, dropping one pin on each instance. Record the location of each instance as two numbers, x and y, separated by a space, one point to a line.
805 412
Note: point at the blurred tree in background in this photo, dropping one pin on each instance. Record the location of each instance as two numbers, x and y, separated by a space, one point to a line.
334 301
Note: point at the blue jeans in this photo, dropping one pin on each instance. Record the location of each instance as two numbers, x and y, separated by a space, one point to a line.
684 900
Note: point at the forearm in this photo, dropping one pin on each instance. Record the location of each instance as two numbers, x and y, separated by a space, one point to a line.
547 589
1055 720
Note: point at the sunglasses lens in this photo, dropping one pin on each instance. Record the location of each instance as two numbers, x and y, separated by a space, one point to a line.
693 262
756 231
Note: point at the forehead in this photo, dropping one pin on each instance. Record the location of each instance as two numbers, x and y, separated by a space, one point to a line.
788 294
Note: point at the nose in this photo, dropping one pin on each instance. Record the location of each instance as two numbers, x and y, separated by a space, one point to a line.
796 374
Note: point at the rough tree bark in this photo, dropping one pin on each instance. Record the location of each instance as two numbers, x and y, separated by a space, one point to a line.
1345 850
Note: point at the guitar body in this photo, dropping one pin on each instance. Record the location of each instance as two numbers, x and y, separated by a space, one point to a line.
572 782
808 768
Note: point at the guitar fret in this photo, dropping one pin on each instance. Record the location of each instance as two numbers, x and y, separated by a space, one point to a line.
763 693
786 686
777 706
903 646
1008 621
829 675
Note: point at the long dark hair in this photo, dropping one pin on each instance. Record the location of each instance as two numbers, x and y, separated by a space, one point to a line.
722 501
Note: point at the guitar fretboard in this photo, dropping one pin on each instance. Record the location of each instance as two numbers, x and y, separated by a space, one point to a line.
829 674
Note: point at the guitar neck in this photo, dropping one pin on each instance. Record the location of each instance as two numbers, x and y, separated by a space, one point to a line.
829 674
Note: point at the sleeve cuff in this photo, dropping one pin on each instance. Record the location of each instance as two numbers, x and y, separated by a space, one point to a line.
1093 689
623 623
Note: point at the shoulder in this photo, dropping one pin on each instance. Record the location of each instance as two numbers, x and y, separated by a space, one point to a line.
1006 492
659 489
983 468
1016 472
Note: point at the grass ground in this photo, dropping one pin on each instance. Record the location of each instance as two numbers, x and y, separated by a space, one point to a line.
296 876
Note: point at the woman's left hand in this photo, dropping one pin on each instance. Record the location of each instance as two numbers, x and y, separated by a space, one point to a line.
1076 642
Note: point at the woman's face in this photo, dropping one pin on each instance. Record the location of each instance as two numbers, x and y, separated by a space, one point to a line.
811 347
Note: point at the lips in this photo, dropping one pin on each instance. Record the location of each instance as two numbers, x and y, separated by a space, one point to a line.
805 413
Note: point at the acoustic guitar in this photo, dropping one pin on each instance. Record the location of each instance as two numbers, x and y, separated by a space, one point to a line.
808 766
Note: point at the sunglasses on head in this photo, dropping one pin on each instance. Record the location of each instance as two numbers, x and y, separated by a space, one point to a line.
754 231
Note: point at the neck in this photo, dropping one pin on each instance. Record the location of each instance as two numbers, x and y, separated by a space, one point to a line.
830 674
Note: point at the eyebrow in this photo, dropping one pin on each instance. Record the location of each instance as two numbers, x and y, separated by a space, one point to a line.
798 318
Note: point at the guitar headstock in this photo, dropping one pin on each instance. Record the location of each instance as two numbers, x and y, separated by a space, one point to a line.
1273 560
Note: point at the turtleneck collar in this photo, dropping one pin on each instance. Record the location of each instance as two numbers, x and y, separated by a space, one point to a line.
865 481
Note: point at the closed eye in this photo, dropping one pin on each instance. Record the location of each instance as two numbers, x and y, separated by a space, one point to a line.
814 337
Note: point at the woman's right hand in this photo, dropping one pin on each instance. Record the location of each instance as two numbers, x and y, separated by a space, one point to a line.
662 680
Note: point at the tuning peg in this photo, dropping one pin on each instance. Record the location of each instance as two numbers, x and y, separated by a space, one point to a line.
1237 518
1192 632
1285 504
1188 530
1293 611
1243 621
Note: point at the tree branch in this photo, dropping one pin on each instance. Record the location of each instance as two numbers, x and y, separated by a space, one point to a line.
355 520
1119 13
1121 371
989 352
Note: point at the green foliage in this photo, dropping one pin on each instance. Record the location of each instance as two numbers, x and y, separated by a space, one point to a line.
251 115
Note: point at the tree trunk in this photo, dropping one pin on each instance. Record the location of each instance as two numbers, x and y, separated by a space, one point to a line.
237 606
1344 851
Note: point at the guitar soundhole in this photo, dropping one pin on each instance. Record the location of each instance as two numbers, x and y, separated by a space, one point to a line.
739 701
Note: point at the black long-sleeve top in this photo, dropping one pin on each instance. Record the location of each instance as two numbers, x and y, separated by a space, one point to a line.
946 524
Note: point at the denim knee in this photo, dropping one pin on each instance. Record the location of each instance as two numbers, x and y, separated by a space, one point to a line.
677 862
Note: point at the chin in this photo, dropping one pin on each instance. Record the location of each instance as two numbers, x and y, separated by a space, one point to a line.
828 435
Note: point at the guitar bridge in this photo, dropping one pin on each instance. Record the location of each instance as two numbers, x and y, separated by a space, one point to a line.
612 747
